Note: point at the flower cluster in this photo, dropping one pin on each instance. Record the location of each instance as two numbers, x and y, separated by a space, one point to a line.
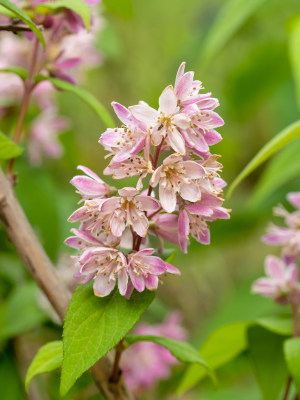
145 363
171 147
282 281
66 41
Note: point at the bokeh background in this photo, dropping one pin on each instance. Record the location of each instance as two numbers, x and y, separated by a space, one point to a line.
242 52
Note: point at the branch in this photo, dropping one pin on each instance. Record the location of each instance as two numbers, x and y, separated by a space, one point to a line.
43 272
16 28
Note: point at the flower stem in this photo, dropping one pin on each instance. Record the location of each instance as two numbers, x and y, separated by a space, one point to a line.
296 334
28 87
116 372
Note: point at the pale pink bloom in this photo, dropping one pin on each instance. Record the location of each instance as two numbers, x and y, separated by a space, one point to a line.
166 122
106 266
193 219
135 165
89 186
43 135
288 237
124 142
81 240
186 89
281 283
144 364
129 210
177 176
165 227
144 269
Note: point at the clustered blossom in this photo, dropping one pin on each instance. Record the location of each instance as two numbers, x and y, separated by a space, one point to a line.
170 147
145 363
281 282
70 50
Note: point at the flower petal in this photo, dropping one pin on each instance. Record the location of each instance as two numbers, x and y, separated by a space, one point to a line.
168 101
167 198
102 286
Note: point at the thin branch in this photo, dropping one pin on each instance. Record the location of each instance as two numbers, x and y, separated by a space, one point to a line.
16 28
37 262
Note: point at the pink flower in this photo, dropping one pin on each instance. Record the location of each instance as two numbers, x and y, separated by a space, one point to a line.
166 122
144 268
192 219
281 283
144 364
90 186
124 142
288 237
129 209
81 240
165 227
106 266
177 176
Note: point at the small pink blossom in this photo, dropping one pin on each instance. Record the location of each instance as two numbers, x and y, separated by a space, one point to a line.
177 176
166 122
129 209
281 283
144 269
105 266
144 364
89 186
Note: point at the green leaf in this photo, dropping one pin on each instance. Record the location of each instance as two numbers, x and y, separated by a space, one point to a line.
48 358
292 356
78 6
183 351
120 8
231 17
94 325
86 96
21 72
279 141
24 17
8 149
282 168
221 346
282 324
266 354
20 312
294 45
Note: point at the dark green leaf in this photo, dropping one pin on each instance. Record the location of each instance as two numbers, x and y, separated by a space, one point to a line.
121 8
292 356
21 72
20 312
221 346
86 96
183 351
48 358
282 325
266 354
8 149
278 142
24 17
94 325
78 6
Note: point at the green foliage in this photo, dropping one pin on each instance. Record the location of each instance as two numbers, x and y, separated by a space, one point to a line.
78 6
21 72
282 324
282 168
221 346
20 312
48 358
292 356
11 388
183 351
232 16
294 45
94 325
8 149
120 8
266 354
19 13
278 142
86 96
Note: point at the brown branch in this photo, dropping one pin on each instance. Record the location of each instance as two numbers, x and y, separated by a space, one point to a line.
37 262
16 28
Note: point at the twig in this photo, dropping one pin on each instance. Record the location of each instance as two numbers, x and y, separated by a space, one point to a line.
287 388
37 262
16 28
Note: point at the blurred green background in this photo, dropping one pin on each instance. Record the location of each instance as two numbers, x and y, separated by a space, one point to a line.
242 51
